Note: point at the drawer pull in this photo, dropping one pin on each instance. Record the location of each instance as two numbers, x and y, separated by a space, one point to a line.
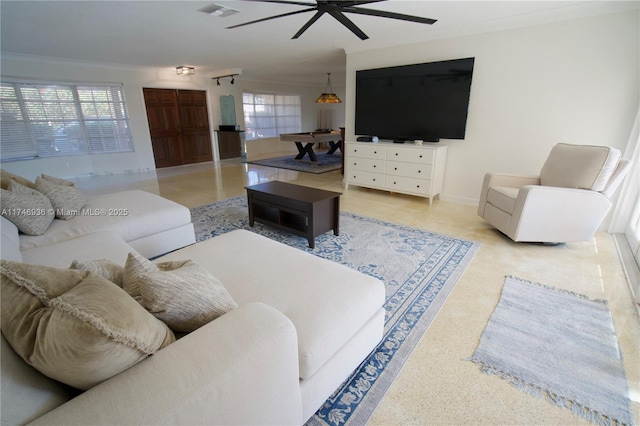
396 154
374 166
374 179
355 164
417 186
375 152
395 168
420 155
419 171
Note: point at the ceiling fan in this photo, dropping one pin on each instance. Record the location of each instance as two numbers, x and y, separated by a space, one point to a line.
337 9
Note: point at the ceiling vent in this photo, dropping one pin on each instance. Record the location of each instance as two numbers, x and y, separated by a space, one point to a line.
219 10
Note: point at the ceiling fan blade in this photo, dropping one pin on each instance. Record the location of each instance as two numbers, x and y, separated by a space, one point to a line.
348 23
345 3
310 22
296 3
270 17
385 14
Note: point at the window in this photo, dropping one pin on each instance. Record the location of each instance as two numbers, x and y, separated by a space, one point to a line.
268 115
46 120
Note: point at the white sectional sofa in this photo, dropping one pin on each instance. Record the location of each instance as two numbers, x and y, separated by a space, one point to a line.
302 325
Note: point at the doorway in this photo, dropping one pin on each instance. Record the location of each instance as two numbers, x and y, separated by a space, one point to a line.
179 126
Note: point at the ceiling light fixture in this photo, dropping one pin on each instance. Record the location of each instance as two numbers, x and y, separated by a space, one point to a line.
217 78
328 97
219 10
184 70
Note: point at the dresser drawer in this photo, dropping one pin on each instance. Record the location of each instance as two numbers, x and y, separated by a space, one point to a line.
411 155
405 184
373 151
366 178
365 164
412 170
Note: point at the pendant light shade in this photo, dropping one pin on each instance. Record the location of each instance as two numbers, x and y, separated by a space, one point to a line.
328 97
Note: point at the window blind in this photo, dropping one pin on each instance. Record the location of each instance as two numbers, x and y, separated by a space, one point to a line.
52 119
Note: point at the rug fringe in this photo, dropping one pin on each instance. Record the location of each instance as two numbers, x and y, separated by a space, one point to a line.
586 413
559 290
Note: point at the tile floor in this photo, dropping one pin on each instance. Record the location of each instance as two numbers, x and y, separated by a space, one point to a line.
437 385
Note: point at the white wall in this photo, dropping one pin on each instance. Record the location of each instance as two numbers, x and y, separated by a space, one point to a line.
574 82
133 80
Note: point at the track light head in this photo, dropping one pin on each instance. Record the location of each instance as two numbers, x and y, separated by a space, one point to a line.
217 78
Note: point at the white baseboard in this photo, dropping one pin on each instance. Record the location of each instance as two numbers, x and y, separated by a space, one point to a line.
460 200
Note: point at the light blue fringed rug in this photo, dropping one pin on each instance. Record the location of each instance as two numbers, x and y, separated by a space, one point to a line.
419 269
560 345
326 163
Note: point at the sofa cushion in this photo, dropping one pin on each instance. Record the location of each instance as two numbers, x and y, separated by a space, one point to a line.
580 166
98 245
75 326
327 302
27 392
183 294
130 214
9 241
6 177
28 209
104 267
66 198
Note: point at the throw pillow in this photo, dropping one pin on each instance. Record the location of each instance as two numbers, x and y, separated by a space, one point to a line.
103 267
6 177
75 326
66 198
28 209
183 294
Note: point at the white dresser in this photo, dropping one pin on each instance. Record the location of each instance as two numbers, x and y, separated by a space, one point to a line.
404 168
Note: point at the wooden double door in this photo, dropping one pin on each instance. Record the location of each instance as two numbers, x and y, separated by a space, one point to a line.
179 126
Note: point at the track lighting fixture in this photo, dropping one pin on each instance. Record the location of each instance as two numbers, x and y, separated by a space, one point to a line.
217 78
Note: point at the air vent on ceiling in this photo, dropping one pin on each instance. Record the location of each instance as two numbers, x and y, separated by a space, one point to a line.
219 10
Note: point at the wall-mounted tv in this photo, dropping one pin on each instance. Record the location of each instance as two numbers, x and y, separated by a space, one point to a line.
426 101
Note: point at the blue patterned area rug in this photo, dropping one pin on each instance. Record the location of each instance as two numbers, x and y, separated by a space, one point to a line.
557 344
419 269
326 163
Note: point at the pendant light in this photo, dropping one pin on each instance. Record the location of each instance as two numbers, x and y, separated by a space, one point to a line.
328 97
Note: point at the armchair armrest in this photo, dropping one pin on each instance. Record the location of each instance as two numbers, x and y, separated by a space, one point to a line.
503 179
554 214
241 368
510 180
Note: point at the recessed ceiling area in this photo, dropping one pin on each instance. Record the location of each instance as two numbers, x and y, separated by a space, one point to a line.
165 34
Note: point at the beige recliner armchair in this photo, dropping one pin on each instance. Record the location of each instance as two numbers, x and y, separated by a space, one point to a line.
566 203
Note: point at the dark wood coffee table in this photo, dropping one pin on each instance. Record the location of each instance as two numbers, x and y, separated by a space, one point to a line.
300 210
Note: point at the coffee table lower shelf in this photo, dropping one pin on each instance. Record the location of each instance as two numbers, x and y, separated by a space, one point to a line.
307 212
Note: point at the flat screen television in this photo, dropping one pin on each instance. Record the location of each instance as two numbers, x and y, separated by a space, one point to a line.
426 101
